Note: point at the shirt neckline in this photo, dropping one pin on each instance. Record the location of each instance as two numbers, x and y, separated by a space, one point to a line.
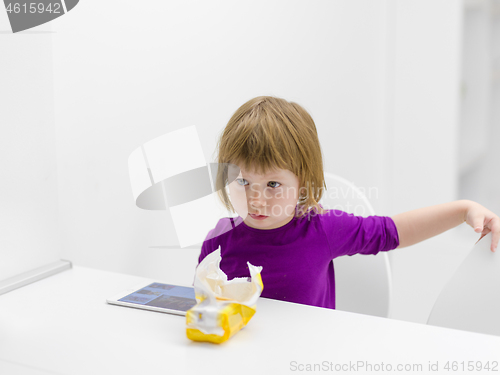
262 231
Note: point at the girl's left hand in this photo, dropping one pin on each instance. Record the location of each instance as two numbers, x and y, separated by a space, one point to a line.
483 221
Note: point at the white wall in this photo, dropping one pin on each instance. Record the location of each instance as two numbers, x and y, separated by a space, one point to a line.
423 112
29 235
480 121
120 84
380 78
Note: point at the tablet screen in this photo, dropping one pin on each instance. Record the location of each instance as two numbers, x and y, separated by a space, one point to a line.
165 296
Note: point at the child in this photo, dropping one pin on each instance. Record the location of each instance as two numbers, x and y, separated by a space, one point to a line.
276 180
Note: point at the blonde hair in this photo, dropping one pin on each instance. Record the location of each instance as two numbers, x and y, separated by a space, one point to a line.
267 133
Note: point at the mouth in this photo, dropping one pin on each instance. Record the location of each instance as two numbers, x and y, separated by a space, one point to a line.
254 216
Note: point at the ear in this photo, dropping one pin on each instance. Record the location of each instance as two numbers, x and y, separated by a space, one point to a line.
302 191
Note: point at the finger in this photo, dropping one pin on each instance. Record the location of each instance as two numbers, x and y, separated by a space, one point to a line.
478 223
492 226
485 231
478 228
495 236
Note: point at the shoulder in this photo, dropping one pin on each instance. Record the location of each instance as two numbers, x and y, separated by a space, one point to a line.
224 226
343 220
337 218
214 236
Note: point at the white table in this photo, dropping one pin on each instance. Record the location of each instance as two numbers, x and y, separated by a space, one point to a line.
62 325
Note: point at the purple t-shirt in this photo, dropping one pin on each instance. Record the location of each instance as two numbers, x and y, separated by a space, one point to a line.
297 257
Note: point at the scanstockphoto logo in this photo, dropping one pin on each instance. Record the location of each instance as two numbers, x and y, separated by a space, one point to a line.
170 173
25 15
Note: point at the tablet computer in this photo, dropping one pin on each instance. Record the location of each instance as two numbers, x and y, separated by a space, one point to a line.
154 296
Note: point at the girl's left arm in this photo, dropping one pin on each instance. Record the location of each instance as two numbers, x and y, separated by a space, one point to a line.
418 225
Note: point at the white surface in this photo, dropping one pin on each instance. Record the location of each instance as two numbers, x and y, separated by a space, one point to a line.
421 138
34 275
63 325
471 300
480 114
475 114
29 236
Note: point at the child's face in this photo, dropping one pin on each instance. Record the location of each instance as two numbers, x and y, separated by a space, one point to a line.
274 195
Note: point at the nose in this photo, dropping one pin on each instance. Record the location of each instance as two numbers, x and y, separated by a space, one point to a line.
256 197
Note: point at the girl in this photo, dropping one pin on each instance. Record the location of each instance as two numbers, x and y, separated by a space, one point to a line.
275 180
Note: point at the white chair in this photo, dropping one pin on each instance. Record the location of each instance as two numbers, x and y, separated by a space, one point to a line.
363 283
471 299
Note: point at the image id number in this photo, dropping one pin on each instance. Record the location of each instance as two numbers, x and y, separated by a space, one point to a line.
34 8
471 366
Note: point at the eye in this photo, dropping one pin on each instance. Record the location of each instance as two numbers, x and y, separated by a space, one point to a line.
274 182
240 181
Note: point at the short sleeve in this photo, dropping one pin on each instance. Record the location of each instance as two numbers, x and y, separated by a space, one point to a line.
349 234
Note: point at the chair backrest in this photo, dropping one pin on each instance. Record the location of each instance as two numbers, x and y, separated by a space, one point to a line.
470 301
363 283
